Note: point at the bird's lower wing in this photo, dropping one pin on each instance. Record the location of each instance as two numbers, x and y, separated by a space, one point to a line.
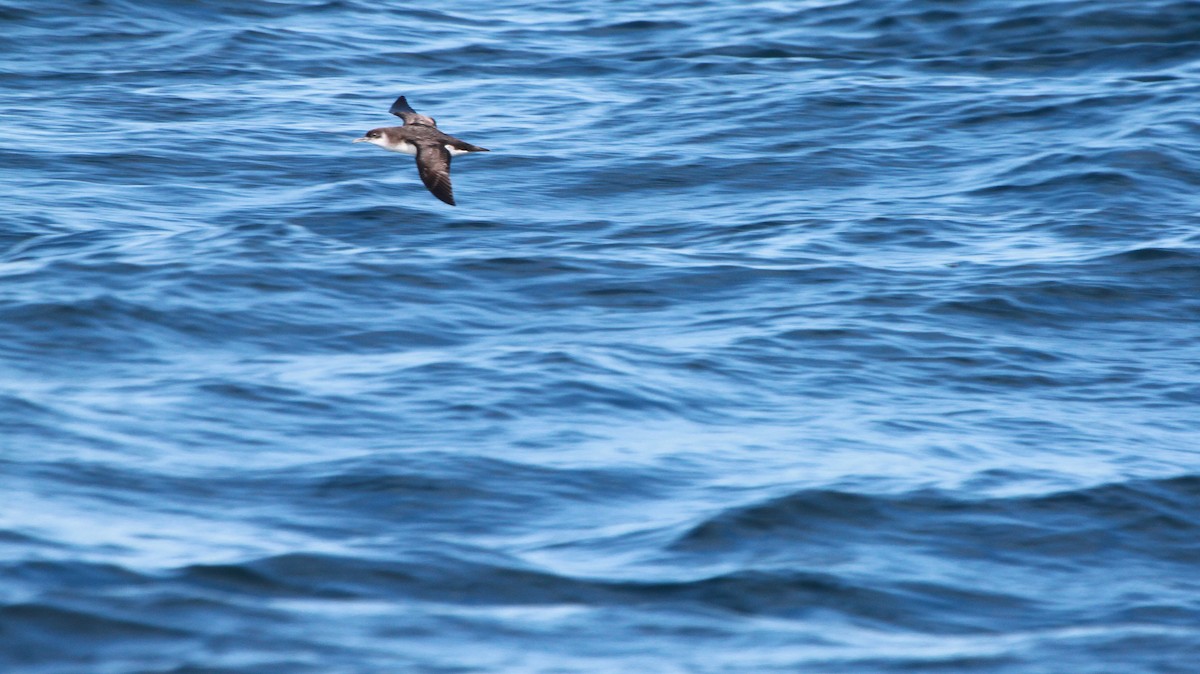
433 163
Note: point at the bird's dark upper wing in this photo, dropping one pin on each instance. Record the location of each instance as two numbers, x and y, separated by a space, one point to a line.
433 163
404 111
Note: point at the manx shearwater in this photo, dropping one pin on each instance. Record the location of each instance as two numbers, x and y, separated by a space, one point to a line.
420 137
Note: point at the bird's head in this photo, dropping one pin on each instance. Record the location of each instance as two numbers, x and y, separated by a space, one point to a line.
374 136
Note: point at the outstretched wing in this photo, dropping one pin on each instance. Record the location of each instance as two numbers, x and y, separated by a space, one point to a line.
404 111
433 163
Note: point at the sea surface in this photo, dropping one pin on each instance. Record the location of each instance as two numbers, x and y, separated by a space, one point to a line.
825 336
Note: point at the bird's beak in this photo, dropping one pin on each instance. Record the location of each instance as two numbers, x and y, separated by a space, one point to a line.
364 139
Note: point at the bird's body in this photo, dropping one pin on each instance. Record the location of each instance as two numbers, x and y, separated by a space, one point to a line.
421 138
406 140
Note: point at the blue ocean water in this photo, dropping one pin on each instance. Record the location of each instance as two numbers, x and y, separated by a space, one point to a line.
839 336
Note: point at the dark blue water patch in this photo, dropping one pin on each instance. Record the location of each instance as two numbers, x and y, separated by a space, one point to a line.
1049 526
35 628
1105 524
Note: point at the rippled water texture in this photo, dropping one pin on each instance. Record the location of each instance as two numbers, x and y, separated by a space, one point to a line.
850 336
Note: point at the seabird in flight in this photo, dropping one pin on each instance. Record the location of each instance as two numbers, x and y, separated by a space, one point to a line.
420 137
